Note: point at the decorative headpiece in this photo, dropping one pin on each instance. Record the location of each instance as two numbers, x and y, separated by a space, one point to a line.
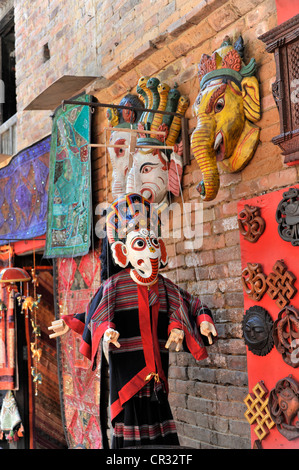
131 212
160 97
124 118
225 62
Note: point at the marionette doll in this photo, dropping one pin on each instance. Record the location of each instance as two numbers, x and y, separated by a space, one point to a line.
138 313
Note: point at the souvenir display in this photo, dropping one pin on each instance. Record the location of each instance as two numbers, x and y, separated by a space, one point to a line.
274 278
258 413
258 330
11 426
77 282
281 284
226 107
251 224
139 313
254 281
287 216
284 407
148 162
286 334
69 197
119 144
24 193
9 277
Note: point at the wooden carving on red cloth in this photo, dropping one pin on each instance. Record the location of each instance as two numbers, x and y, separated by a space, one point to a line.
281 284
76 282
267 251
286 334
251 224
254 281
284 407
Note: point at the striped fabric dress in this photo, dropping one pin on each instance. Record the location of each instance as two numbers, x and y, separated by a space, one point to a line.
144 317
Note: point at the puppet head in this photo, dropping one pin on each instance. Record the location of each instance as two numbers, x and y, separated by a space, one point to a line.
120 120
133 231
155 171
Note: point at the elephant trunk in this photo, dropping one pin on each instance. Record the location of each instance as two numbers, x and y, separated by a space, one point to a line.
202 145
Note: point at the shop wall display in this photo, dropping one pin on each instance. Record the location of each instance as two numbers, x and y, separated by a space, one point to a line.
272 251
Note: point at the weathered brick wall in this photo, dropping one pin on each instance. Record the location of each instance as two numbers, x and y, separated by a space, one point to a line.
166 39
69 29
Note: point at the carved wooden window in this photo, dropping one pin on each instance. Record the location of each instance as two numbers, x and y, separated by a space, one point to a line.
283 41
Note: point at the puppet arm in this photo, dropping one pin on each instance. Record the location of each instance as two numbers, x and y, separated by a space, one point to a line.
59 327
208 329
111 336
176 336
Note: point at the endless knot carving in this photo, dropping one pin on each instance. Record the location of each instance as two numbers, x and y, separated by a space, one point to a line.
254 281
281 284
258 411
287 216
286 334
284 407
251 224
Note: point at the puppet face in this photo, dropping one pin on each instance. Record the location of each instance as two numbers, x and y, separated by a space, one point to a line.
145 252
149 175
119 158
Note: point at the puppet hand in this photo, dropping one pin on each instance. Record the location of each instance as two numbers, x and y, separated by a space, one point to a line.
111 336
59 327
176 336
208 329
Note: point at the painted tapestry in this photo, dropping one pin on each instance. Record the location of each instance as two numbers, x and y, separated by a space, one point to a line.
69 200
23 194
76 282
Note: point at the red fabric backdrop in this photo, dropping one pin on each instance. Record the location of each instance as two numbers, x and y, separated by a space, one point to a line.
267 250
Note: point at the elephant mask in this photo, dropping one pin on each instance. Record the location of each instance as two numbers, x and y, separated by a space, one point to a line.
226 107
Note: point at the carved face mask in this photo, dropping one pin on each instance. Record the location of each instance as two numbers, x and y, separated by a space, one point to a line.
144 251
119 158
149 175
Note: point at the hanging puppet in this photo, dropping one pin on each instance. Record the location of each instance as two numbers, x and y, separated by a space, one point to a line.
139 313
119 146
156 168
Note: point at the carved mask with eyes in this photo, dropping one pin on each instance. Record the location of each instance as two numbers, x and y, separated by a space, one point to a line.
144 252
149 175
119 158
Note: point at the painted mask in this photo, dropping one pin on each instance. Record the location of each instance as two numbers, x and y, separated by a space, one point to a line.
119 158
226 108
144 252
134 238
149 175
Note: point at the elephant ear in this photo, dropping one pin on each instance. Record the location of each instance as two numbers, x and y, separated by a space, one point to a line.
251 99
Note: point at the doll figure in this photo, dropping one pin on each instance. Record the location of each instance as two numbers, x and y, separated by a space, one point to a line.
138 313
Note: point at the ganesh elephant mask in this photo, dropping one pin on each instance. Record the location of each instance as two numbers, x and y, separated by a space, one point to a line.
226 107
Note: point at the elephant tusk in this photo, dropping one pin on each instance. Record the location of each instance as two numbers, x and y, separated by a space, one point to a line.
218 140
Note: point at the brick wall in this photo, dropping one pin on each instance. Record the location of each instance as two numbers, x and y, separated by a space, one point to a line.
129 39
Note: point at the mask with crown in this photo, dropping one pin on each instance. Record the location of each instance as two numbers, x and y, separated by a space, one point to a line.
157 163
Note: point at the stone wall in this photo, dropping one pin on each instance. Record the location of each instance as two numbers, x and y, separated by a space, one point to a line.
128 39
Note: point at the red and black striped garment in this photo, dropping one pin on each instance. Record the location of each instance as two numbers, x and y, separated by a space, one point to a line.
144 317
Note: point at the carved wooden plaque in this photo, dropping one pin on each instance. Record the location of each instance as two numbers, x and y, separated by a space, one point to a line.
283 41
286 335
287 216
284 407
251 224
281 284
254 281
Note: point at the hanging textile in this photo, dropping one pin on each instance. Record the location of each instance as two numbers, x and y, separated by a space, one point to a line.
10 420
7 342
23 193
69 203
76 281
